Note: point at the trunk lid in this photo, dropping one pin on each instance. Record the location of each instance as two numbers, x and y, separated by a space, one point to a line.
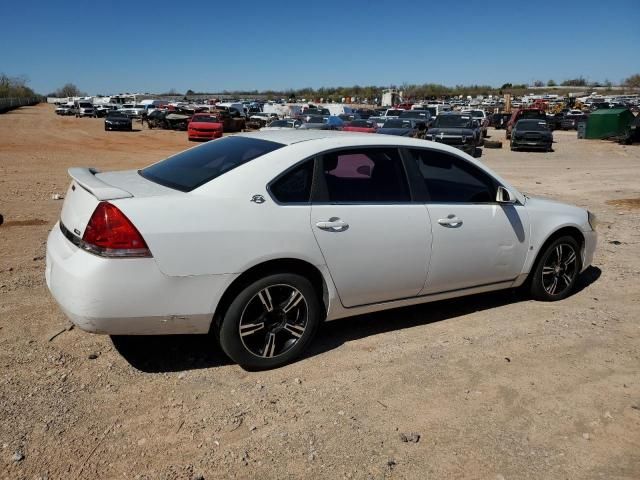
89 187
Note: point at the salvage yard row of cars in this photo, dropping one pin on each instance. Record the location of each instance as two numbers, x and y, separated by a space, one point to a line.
464 127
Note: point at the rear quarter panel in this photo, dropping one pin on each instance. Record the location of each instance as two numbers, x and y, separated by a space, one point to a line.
219 229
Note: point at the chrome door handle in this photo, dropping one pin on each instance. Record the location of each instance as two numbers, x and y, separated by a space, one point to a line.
451 221
334 224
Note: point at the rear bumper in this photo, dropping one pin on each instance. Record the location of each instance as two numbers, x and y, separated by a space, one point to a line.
128 296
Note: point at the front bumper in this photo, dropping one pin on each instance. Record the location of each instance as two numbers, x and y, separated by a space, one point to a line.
204 135
590 244
128 296
533 144
123 126
456 142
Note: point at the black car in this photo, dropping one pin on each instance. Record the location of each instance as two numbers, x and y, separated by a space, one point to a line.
116 120
404 127
423 115
554 120
531 134
456 129
571 120
499 120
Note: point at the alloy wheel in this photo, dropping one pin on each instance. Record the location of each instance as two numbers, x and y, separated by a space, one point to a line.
273 321
560 269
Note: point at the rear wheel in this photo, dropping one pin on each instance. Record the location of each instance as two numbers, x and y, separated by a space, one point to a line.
271 321
557 270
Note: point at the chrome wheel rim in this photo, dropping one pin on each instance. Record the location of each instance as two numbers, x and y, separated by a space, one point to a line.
560 269
273 321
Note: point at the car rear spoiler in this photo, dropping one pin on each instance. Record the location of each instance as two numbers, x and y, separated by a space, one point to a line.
86 178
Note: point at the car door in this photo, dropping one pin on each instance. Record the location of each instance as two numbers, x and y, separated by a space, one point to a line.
375 241
476 240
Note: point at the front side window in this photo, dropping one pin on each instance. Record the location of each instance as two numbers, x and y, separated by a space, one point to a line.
450 179
295 185
373 175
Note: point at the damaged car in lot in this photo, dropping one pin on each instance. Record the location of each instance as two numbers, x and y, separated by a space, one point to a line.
459 130
204 126
116 120
531 134
259 237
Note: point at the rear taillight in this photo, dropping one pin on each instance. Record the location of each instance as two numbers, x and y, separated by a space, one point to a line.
111 234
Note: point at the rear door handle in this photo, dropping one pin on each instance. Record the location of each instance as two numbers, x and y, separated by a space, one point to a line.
450 222
334 224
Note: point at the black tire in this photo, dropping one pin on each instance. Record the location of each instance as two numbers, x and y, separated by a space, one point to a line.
565 277
245 349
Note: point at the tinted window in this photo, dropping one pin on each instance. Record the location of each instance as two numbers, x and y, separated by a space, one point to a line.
194 167
453 180
365 175
295 185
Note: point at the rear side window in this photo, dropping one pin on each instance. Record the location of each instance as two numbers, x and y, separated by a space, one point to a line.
195 167
451 179
368 175
295 185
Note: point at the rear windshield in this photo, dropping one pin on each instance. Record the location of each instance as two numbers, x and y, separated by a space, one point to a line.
195 167
531 125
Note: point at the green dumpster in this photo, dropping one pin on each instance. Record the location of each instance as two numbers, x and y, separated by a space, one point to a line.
609 122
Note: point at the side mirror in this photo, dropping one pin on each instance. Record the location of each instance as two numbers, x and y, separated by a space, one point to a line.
505 196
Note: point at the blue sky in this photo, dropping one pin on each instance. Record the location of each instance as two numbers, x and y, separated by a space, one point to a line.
116 46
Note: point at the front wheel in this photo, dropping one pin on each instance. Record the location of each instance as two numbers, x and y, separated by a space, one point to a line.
271 321
557 270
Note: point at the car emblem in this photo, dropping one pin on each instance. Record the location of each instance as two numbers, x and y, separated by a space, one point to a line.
441 135
258 199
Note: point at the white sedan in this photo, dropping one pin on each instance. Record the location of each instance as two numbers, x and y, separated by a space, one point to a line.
260 237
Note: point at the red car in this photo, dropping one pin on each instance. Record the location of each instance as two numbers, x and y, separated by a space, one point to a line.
362 126
204 126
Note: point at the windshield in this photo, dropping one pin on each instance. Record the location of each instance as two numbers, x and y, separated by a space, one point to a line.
195 167
397 123
86 105
477 113
452 121
393 113
531 125
116 115
279 123
316 120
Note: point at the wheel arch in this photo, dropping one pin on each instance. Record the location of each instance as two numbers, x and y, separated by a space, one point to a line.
567 230
280 265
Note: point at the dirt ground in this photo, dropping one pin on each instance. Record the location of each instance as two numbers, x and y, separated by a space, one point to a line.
496 386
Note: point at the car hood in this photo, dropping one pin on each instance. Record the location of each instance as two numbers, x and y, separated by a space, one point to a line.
452 131
544 207
402 132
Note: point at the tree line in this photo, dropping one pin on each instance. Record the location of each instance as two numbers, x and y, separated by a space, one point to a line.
15 87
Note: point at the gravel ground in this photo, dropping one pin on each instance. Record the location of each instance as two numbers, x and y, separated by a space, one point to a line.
493 386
